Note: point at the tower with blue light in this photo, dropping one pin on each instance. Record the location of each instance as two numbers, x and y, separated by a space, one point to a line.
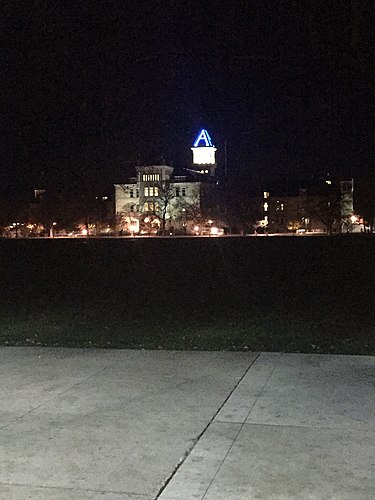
204 153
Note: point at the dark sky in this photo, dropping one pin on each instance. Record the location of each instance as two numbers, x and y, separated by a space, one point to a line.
90 87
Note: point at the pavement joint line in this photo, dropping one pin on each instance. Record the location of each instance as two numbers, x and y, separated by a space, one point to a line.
316 427
243 423
72 488
52 398
196 440
307 427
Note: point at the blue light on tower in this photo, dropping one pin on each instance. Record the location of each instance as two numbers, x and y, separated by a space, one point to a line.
203 149
205 137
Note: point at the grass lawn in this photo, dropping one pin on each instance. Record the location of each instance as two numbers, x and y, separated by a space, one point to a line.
296 294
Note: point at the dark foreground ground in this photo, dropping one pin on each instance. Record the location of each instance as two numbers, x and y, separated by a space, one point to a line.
301 294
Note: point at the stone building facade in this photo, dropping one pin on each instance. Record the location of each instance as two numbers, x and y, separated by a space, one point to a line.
163 199
322 206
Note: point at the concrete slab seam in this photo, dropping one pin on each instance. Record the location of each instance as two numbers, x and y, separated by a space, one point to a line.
263 386
243 423
196 440
257 394
67 488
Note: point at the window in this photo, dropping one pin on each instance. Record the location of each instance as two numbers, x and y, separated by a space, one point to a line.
177 191
132 208
145 207
151 191
131 193
151 177
282 206
137 193
265 206
266 194
183 191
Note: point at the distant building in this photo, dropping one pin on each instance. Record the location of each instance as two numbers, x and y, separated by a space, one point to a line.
163 198
325 205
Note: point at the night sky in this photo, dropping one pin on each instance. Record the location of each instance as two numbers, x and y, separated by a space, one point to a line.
89 89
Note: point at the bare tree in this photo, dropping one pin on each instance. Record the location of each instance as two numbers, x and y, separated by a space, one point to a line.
244 209
365 200
165 195
243 204
325 207
191 208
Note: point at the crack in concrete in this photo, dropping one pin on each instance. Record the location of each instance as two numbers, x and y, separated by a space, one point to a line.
71 488
196 440
243 423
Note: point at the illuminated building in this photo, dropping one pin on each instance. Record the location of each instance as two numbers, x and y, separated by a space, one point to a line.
324 205
179 199
204 157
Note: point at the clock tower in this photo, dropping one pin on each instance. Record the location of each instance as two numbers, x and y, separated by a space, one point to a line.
204 153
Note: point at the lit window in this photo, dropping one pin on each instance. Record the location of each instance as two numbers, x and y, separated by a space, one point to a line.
157 177
183 191
265 206
177 191
131 193
144 177
151 191
282 206
156 191
328 182
146 191
266 194
151 207
266 219
145 207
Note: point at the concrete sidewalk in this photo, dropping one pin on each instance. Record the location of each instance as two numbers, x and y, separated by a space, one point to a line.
133 425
